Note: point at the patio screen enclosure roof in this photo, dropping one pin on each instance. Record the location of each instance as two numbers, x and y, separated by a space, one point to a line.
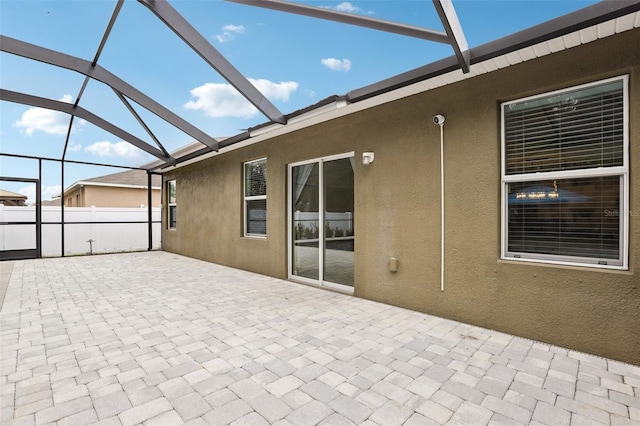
130 96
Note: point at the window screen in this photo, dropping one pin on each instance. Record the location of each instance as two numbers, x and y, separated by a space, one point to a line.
577 129
255 178
565 174
568 217
171 203
255 198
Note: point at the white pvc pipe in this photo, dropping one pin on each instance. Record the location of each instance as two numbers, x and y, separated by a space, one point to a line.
442 207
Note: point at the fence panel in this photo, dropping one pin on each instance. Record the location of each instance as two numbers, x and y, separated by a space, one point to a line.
17 237
81 238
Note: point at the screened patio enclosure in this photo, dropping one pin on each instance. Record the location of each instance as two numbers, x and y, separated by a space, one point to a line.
153 126
48 228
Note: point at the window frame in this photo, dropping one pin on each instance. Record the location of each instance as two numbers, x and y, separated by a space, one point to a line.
622 171
246 198
170 183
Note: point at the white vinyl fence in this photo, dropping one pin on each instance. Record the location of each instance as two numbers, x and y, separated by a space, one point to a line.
336 224
85 238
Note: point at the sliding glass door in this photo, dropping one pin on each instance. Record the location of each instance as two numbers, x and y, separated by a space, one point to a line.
321 212
305 186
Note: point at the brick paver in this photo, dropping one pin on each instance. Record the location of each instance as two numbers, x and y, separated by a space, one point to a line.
160 339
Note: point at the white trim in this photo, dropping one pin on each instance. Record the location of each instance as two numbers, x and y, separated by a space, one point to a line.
169 205
565 89
300 118
321 239
626 202
564 263
289 219
115 185
246 198
324 159
622 171
503 214
569 174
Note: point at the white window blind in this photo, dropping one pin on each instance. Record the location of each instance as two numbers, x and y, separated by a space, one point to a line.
565 176
255 196
577 129
171 203
568 217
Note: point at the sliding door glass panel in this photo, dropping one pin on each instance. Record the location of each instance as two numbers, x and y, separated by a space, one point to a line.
305 187
338 221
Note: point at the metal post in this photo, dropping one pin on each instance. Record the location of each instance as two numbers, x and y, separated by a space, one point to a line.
62 209
163 217
150 210
39 211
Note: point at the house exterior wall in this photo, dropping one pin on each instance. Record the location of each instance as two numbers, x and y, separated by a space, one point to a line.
110 196
74 198
397 208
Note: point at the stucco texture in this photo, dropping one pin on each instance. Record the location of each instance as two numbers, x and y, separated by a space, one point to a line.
397 208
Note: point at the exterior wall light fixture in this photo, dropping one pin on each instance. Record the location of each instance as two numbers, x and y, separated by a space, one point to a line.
367 158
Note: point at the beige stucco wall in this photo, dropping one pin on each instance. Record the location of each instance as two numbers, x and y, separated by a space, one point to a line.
109 196
397 208
73 198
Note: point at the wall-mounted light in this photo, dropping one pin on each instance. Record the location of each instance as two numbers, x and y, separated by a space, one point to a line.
367 158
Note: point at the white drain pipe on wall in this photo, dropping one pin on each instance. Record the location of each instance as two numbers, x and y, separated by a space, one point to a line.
439 120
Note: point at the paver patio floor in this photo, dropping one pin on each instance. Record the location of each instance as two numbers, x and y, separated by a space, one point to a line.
159 339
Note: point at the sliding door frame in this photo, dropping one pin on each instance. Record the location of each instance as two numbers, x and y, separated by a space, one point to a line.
321 228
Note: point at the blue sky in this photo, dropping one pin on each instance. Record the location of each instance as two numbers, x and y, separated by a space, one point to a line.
295 61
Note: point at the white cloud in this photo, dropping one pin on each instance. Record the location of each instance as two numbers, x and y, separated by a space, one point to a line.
275 91
337 64
239 29
110 149
229 32
223 100
346 6
45 120
74 147
30 192
48 192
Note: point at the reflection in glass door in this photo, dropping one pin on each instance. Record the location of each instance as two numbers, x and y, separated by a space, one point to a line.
305 184
322 227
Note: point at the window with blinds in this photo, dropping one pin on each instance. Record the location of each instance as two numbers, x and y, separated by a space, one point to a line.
171 204
565 176
255 198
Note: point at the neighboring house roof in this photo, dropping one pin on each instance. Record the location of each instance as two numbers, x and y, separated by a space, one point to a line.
8 195
128 179
52 203
4 194
9 198
591 23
